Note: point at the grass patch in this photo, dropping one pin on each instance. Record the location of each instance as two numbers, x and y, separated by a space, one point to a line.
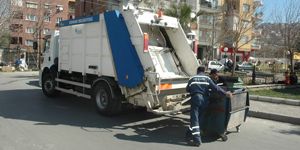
293 93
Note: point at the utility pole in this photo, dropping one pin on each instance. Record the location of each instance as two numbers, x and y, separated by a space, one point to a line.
39 47
213 36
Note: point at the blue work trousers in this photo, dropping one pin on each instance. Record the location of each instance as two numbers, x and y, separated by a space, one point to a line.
198 104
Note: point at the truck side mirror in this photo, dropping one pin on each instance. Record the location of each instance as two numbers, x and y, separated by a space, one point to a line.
35 45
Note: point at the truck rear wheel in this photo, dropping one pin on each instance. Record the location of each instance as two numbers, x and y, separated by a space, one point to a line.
107 98
48 85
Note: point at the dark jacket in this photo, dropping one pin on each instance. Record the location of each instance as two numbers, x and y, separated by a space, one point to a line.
200 84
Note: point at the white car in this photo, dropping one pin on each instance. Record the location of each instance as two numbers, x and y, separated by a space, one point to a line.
215 65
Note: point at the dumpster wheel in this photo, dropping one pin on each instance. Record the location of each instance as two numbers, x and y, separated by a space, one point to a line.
224 137
238 128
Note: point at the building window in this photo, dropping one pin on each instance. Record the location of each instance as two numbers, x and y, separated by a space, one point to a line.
29 42
29 30
58 19
46 18
17 2
31 5
200 34
46 30
244 39
16 27
18 15
59 8
16 40
246 8
246 24
47 6
208 35
31 17
206 19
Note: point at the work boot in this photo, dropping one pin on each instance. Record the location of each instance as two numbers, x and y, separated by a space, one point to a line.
193 143
188 136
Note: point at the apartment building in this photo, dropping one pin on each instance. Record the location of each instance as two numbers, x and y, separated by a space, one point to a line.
93 7
240 19
208 28
31 21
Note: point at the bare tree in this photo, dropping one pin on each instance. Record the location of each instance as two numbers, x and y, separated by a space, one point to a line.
6 13
238 25
287 18
44 11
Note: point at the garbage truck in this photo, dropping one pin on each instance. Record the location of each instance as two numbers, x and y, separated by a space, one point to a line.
137 57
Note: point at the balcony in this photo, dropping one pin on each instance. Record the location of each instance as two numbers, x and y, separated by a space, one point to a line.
231 22
257 32
258 16
210 10
255 46
71 10
204 42
258 3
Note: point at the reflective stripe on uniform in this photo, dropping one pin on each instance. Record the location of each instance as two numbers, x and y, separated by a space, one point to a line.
195 133
201 83
194 127
197 76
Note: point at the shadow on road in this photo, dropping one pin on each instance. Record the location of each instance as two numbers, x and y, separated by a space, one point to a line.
293 131
26 76
33 83
32 105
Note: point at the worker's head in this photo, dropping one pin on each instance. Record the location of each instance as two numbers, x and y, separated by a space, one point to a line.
213 71
200 69
214 74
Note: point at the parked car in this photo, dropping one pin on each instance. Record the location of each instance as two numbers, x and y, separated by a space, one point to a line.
297 66
244 66
2 64
215 65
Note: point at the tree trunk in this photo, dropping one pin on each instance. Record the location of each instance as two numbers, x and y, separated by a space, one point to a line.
291 60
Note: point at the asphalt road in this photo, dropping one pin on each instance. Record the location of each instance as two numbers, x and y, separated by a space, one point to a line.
31 121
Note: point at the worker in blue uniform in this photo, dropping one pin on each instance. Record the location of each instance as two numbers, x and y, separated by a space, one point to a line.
199 87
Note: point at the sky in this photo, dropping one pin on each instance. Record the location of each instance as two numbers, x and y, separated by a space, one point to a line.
269 6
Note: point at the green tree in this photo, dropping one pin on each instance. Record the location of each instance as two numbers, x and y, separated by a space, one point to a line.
183 12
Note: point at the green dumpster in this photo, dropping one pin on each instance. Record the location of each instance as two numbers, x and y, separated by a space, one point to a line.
223 114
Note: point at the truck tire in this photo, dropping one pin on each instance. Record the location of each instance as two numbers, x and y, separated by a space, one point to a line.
107 98
48 85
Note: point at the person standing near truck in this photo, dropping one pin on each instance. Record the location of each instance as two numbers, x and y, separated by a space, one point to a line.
214 75
198 86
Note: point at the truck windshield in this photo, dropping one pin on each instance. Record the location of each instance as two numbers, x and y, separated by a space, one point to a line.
156 38
47 43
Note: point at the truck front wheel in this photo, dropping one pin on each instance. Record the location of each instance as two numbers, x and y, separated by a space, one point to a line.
107 99
48 85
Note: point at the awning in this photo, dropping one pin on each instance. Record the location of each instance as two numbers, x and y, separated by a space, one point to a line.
296 55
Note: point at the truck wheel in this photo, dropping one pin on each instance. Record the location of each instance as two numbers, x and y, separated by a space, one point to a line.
107 99
48 85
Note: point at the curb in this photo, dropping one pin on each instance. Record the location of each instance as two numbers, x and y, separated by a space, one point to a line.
275 117
270 86
275 100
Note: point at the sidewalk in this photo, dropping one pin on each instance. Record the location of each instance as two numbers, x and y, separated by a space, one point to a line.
275 111
274 108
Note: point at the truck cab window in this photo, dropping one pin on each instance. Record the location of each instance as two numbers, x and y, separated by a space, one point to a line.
47 43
